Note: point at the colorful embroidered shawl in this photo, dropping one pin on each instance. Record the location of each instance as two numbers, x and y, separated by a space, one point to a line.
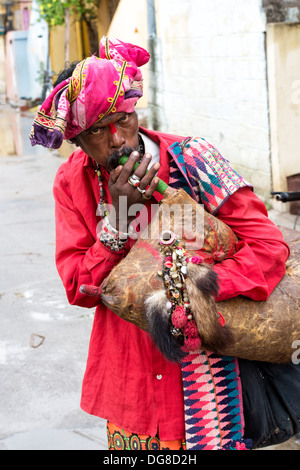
212 386
203 173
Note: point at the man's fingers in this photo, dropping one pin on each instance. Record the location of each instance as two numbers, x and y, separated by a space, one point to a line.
114 174
151 189
128 167
143 165
146 180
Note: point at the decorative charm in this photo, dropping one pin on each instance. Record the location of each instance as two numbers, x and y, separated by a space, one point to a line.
174 272
196 260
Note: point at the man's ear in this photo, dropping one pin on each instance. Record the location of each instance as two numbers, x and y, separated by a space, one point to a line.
73 141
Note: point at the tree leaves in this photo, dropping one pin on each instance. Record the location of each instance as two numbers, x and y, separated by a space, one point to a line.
53 11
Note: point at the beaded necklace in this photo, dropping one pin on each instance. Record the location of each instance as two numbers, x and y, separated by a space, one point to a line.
102 209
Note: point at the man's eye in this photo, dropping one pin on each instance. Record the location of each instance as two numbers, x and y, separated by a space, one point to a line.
97 130
124 118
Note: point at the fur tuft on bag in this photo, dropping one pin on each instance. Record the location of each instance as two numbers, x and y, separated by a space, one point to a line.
158 326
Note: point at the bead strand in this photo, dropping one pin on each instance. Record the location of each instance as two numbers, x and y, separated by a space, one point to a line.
109 236
174 272
102 206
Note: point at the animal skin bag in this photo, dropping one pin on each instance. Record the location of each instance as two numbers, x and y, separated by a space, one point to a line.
167 288
136 291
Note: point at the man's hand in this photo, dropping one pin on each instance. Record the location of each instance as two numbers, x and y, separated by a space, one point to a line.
119 186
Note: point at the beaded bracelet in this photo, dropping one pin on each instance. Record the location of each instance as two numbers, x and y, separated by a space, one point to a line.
114 231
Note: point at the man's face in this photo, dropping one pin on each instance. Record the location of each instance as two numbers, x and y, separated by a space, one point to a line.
110 136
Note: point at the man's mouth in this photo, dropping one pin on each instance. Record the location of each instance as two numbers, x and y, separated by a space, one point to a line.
113 159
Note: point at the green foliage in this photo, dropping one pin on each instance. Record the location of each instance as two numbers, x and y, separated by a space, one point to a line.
53 11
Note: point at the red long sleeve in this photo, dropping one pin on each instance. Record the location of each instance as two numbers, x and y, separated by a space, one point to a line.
80 256
259 264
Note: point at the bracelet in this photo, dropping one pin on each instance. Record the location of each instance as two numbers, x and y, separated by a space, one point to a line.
112 238
114 231
110 241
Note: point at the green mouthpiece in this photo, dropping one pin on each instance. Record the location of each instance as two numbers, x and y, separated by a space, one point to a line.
161 187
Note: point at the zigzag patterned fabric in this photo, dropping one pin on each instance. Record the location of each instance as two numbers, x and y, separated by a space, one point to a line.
212 399
212 387
211 178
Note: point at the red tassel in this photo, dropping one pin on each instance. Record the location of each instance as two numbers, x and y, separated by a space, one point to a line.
192 344
179 318
92 291
191 329
219 256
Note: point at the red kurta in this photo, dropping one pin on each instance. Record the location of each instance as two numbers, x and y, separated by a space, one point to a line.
127 380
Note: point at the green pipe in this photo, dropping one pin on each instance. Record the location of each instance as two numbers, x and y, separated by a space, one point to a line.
161 187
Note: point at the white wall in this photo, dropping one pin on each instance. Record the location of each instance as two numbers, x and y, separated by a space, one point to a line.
37 51
129 24
211 79
2 67
284 90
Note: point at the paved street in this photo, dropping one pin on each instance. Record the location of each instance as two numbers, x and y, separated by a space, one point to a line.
43 340
40 384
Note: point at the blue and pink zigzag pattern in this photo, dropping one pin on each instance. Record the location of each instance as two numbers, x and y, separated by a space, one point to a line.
212 387
211 178
212 397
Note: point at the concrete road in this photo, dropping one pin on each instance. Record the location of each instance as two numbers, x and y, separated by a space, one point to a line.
43 340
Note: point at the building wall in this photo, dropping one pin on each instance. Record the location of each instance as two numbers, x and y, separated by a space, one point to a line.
10 69
279 11
2 67
37 52
133 30
209 79
57 46
284 89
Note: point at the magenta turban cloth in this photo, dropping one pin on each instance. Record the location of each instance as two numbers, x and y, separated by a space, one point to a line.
97 88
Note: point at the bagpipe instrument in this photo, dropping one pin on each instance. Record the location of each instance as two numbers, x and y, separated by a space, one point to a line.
166 286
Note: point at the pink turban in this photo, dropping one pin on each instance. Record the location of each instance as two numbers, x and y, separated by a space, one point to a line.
97 88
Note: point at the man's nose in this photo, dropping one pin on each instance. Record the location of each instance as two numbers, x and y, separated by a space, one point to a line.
116 138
